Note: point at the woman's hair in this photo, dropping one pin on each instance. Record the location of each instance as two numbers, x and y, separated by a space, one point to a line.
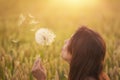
88 51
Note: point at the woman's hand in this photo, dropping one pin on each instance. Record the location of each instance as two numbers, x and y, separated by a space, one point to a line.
38 70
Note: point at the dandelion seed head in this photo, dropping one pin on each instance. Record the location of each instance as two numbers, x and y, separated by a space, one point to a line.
44 36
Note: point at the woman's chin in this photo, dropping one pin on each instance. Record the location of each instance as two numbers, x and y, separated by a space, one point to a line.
64 58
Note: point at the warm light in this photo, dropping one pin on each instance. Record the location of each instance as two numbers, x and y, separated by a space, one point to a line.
79 3
73 7
72 2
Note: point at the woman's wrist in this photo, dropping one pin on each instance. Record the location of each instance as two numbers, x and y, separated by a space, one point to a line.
38 70
43 78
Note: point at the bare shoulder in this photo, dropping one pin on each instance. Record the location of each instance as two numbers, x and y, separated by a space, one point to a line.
90 78
104 76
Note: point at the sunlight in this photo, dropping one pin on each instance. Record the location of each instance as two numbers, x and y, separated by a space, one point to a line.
83 2
80 3
73 7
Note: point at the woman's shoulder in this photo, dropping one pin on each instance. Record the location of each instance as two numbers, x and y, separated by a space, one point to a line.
90 78
104 76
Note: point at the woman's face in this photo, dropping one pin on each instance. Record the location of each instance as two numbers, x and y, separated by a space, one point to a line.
65 54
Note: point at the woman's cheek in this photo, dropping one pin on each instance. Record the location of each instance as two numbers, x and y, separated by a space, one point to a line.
66 56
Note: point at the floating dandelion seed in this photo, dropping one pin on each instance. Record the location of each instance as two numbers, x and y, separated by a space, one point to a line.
44 36
32 19
21 19
15 41
33 29
33 22
31 16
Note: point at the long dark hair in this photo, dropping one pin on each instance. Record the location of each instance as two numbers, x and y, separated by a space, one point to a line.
88 50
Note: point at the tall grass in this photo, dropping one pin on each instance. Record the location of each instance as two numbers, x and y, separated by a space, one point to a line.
18 48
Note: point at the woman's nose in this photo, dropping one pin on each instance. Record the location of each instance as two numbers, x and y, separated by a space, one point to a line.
66 41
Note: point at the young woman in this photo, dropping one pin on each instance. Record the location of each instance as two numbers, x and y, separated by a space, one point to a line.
85 52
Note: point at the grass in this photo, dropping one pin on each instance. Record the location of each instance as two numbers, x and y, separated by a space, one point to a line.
18 48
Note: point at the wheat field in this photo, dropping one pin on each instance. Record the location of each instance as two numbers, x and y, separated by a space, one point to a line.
18 47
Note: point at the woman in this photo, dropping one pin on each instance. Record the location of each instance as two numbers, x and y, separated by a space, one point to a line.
85 52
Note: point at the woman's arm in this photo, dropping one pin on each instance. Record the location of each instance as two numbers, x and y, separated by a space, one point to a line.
38 70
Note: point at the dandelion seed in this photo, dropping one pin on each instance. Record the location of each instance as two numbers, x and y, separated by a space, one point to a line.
21 19
33 29
33 22
31 16
44 36
15 41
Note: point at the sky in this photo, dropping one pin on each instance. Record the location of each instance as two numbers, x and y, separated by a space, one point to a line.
37 7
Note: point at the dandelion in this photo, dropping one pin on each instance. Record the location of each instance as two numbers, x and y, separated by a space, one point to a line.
44 36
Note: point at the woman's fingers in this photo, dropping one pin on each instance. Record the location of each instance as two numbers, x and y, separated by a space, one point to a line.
37 60
36 65
38 74
38 70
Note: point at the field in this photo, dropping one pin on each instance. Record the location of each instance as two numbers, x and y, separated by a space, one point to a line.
18 48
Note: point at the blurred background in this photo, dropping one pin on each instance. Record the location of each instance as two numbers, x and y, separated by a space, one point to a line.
19 20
